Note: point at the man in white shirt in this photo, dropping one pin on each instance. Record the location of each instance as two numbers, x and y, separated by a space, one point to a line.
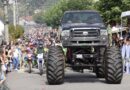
16 57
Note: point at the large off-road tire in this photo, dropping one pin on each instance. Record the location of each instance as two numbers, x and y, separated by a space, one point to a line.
100 70
113 65
55 65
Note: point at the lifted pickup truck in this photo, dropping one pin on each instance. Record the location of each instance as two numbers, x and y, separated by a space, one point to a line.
86 39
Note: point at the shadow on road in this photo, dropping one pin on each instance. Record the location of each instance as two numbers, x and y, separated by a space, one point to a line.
34 71
83 78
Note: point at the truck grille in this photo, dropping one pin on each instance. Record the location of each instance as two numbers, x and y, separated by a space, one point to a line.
85 33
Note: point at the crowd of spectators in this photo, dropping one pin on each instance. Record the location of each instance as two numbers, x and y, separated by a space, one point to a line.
13 55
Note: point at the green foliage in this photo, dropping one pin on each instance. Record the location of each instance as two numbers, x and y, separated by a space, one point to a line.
38 18
52 17
15 33
125 5
111 9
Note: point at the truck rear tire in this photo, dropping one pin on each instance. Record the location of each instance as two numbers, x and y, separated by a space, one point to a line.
113 65
55 65
100 70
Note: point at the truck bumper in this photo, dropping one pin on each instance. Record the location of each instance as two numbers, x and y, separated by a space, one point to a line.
84 41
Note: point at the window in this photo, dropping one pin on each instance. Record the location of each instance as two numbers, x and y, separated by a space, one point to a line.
82 17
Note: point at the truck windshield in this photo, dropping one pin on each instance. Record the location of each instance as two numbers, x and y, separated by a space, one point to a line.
81 17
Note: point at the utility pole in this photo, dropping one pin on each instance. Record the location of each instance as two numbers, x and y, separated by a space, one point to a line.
6 2
17 12
14 13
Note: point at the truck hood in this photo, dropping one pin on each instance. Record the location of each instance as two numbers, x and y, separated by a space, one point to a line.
82 25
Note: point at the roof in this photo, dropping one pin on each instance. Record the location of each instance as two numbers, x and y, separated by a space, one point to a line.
125 14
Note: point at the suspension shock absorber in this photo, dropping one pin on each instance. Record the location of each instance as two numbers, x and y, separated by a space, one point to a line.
92 49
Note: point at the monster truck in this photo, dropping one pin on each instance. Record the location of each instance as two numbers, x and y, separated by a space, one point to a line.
86 39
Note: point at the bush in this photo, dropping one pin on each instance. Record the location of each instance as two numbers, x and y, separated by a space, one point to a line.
15 33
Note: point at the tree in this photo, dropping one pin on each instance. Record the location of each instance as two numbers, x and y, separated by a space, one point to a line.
53 15
111 9
125 5
38 18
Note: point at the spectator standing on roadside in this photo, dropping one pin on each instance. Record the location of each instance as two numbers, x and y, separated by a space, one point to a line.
126 51
10 61
3 65
16 57
23 49
20 55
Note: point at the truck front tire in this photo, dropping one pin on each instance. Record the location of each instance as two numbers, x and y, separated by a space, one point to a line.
55 65
113 65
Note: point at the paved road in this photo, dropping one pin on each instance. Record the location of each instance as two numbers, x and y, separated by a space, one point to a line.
87 81
25 81
73 81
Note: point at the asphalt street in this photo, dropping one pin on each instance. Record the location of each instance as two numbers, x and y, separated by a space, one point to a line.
25 81
73 81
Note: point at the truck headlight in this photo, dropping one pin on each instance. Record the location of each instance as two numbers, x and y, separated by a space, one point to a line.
103 32
65 33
